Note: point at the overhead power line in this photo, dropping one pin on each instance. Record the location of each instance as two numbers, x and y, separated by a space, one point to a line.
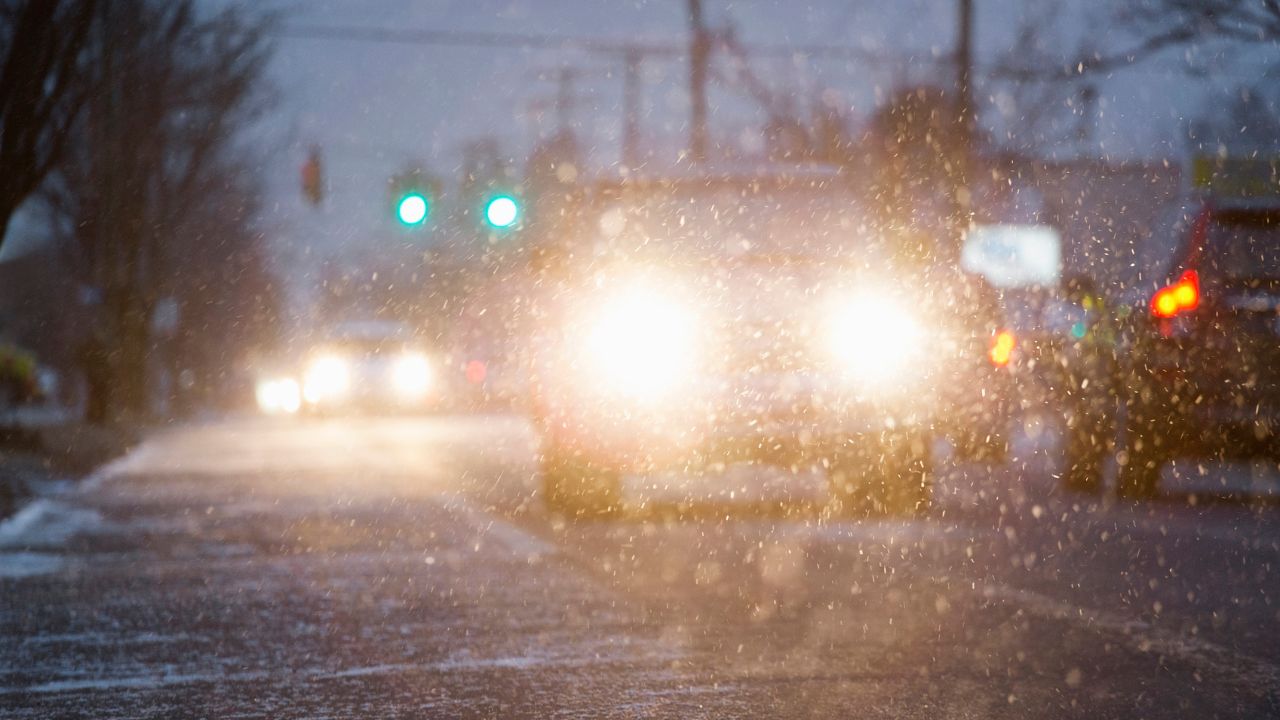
546 41
469 39
656 48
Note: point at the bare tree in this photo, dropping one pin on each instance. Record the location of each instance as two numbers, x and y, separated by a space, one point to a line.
1248 123
913 147
42 88
1046 83
1152 26
1159 24
1032 96
156 196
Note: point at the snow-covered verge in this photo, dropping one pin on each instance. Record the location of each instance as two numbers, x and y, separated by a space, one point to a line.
46 460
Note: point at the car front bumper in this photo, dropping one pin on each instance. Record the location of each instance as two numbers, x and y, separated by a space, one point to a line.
714 426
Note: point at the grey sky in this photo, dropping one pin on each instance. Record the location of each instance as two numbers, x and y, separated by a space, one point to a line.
374 107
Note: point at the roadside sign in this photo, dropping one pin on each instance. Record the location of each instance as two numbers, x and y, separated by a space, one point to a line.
1011 256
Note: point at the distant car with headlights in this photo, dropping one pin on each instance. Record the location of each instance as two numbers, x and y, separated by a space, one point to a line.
688 321
371 365
278 394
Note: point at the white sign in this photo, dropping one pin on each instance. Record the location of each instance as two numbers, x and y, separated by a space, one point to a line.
1011 256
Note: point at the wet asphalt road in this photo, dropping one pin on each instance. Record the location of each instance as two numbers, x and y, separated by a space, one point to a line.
406 568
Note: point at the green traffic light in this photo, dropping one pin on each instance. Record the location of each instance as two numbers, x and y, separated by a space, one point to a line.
502 211
412 209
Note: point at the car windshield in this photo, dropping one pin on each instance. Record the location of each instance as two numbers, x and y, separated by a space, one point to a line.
735 221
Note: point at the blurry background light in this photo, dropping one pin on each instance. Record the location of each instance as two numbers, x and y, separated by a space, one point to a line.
278 395
327 378
1002 348
411 376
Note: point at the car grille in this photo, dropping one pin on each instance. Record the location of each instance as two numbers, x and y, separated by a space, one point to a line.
767 348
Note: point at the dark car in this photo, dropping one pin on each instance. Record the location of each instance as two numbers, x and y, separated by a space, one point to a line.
1200 368
694 320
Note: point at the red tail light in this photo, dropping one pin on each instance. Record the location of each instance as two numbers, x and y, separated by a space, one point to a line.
1002 348
1182 296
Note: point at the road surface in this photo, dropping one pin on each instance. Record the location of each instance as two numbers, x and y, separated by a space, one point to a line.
406 568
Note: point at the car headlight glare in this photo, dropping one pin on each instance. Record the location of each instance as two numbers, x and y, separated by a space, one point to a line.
873 338
641 344
411 375
327 378
278 395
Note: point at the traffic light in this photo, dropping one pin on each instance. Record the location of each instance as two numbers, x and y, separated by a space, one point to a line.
413 208
413 195
502 212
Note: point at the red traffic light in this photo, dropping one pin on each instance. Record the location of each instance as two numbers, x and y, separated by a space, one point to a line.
313 177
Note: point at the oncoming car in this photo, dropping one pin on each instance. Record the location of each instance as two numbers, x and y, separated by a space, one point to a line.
699 320
370 365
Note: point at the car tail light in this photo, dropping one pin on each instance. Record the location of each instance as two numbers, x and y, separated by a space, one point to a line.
1182 296
1002 348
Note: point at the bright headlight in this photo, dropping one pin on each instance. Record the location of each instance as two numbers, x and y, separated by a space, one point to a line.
640 343
411 375
327 377
278 395
874 338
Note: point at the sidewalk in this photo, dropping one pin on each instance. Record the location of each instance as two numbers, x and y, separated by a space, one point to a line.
40 447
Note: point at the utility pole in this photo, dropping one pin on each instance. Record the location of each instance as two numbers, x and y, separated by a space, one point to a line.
563 101
699 55
631 107
964 96
564 97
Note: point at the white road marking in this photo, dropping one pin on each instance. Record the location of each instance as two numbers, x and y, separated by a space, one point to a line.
135 682
1144 637
459 662
102 638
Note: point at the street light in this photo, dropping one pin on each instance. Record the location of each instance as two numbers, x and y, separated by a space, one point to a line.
412 209
502 211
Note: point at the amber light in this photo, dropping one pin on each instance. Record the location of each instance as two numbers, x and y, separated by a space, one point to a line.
1180 297
1002 348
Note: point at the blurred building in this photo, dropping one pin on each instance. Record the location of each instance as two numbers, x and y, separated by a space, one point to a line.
1102 209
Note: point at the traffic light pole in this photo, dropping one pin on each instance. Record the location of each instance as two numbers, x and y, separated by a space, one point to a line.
964 94
699 55
631 107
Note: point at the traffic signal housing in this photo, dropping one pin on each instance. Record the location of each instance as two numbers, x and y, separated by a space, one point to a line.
413 196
